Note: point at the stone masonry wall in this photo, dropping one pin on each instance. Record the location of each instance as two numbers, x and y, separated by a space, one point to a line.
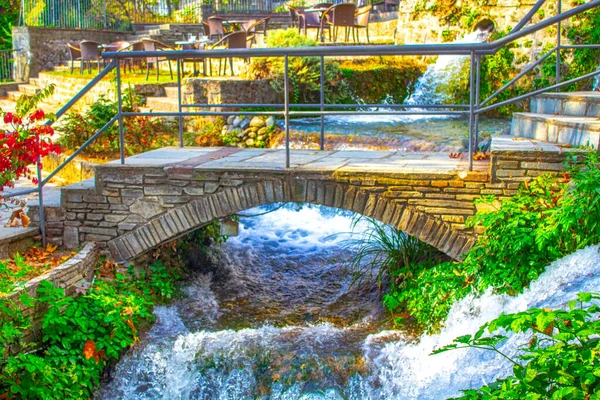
127 198
67 276
47 47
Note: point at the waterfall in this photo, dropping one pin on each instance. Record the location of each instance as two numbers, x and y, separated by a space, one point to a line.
282 322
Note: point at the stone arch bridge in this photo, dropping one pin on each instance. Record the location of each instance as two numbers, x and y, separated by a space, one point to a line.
164 194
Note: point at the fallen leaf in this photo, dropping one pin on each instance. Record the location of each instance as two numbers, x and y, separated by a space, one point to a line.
50 248
89 349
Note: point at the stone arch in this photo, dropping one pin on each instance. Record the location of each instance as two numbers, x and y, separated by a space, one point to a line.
300 189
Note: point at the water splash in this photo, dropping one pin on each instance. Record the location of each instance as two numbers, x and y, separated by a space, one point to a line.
276 260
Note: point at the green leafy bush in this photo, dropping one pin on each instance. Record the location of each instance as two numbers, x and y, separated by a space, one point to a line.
559 361
548 218
80 335
141 133
304 72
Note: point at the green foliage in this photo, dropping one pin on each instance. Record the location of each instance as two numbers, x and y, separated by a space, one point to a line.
560 361
80 335
547 219
304 73
141 133
378 79
387 253
9 15
10 277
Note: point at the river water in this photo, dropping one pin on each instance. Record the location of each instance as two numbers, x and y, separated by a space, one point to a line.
278 319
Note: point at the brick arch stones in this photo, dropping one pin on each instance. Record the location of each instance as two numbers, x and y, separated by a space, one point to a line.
372 201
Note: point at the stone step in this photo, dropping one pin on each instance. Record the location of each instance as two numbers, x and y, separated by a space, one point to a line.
565 129
13 95
28 89
162 104
581 104
171 92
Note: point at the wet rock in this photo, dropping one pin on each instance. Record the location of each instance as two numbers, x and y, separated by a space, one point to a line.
270 122
257 122
252 135
230 119
263 131
237 121
245 123
250 142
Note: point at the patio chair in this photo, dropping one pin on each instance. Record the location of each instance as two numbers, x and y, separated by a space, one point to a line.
295 23
90 51
155 45
256 28
74 54
233 40
215 28
131 61
308 20
339 16
194 61
362 21
119 45
391 5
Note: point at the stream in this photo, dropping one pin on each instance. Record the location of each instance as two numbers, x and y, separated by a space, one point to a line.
278 319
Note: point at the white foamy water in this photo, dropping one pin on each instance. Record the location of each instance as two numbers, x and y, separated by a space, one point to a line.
269 358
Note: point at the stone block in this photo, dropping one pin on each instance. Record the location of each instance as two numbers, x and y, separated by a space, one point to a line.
162 191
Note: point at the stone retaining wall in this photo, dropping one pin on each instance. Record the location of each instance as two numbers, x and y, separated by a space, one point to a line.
67 276
47 47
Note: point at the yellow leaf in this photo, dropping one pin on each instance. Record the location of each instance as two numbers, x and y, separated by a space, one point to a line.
50 248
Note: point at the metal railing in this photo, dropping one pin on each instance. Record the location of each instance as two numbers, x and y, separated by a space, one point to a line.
472 110
7 65
120 15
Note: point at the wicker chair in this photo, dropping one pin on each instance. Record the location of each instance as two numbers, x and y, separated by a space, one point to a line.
194 61
234 40
215 27
74 54
308 20
339 16
154 45
90 51
258 28
362 21
294 17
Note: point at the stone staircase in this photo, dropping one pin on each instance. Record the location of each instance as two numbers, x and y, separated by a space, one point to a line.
565 118
166 103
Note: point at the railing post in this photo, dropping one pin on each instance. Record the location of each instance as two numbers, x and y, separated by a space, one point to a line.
322 102
471 108
477 99
286 111
120 114
40 184
179 101
558 41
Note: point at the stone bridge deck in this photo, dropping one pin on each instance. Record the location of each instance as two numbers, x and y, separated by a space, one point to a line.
164 194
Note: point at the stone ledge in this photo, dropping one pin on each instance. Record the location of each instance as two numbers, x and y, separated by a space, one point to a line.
13 240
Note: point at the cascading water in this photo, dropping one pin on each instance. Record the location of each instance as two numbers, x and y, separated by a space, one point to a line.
278 320
403 132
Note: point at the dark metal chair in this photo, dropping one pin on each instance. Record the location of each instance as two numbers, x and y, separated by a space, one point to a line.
339 16
362 21
155 45
90 51
74 54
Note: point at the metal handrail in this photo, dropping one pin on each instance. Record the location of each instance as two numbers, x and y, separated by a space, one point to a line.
475 51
